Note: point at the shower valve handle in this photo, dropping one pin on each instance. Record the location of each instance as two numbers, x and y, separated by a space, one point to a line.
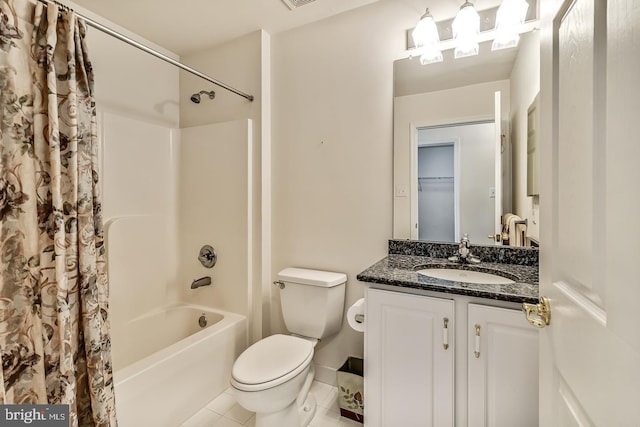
208 256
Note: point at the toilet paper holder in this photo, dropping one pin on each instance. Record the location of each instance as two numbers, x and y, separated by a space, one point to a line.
355 315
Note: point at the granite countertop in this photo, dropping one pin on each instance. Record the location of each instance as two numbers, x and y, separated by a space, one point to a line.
401 271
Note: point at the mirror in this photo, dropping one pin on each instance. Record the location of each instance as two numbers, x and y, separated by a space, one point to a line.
439 109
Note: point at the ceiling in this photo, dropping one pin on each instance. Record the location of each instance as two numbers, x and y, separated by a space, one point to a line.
188 26
196 25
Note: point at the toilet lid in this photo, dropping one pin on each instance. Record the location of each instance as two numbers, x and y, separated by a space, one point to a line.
278 357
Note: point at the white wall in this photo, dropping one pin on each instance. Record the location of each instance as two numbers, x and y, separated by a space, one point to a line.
236 63
138 143
215 170
138 206
525 84
137 98
464 104
132 83
242 63
332 152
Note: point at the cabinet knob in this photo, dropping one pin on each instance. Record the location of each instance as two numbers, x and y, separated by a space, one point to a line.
539 315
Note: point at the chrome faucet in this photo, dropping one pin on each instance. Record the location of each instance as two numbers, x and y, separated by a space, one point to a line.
203 281
464 252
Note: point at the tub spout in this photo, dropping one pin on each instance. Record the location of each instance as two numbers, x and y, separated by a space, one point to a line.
203 281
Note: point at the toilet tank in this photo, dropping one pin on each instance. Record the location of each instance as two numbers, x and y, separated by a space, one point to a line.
312 301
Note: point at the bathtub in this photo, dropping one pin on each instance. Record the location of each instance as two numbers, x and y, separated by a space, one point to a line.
166 367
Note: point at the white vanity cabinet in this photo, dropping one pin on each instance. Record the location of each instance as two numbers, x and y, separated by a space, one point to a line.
487 375
502 356
409 360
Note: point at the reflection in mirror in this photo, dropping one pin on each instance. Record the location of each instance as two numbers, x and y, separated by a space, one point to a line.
455 176
462 92
533 157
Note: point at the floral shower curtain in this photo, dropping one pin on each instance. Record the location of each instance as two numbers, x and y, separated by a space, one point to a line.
54 325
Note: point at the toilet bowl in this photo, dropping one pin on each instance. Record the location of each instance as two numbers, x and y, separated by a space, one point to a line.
272 378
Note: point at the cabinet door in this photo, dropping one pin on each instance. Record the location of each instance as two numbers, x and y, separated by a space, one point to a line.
503 368
408 370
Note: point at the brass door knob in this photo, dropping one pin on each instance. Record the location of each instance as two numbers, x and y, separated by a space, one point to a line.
539 315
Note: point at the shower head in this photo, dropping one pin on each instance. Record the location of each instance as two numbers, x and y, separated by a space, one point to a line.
195 98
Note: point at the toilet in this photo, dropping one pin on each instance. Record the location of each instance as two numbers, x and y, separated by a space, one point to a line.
273 376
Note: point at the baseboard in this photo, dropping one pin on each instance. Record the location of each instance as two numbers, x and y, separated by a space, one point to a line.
326 374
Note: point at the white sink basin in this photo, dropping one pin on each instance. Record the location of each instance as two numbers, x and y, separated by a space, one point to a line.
465 276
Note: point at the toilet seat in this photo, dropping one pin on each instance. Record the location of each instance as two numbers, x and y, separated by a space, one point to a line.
270 362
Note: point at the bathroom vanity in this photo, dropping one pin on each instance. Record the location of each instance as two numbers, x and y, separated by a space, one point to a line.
442 352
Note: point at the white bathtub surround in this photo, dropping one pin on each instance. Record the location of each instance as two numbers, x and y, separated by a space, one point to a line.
170 380
223 411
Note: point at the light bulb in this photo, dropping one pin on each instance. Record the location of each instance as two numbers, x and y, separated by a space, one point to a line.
510 16
425 36
466 28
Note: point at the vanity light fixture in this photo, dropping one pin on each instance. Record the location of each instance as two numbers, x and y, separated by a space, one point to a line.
425 36
509 19
466 30
502 25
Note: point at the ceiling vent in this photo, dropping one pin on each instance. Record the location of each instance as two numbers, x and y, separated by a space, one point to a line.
292 4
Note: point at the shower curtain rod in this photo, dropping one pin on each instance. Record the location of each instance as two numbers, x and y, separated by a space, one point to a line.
131 42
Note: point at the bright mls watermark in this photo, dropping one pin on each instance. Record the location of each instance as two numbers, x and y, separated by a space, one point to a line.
34 415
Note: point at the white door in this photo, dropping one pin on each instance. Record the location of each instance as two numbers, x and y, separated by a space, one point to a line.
590 199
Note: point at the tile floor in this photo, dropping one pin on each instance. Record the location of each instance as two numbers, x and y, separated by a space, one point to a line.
223 411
